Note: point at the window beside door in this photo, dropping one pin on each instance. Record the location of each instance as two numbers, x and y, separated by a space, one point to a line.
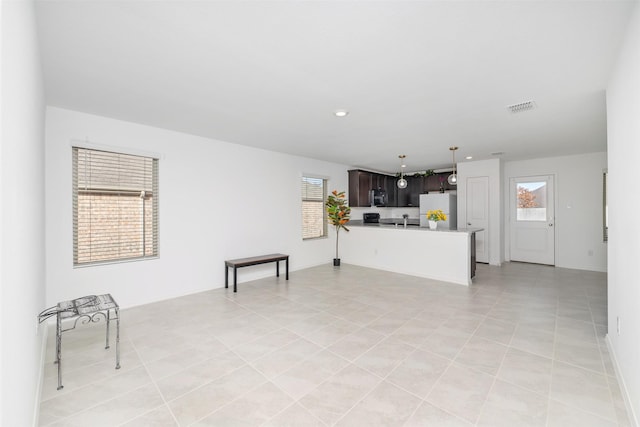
314 214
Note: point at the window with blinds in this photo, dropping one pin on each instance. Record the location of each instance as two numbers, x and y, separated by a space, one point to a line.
314 215
115 206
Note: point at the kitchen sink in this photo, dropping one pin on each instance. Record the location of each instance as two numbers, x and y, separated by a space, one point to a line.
398 223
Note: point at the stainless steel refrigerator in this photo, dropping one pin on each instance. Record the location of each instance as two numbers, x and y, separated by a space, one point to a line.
447 202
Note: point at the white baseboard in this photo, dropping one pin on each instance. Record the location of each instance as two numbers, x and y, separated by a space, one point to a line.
44 327
633 419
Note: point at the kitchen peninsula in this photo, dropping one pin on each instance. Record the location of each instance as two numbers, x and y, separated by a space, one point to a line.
447 255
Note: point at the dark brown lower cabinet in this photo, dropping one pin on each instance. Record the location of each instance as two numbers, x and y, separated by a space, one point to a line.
473 255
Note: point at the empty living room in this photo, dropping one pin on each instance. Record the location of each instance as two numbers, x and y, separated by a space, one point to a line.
225 213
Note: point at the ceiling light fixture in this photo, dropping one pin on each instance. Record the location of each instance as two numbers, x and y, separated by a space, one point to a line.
468 158
453 178
402 183
341 113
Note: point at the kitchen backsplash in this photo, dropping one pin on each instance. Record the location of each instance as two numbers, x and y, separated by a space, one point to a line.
356 213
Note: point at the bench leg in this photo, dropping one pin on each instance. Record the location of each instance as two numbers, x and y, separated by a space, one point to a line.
277 268
287 267
235 279
226 275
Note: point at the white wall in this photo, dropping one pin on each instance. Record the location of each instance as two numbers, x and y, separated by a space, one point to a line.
493 170
623 132
22 194
217 201
578 207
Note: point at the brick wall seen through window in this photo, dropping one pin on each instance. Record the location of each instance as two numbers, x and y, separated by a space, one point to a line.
115 206
314 216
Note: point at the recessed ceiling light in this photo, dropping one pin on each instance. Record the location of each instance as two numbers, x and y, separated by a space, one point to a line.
468 157
341 113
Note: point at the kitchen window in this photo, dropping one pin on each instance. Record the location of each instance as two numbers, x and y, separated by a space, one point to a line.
115 206
314 215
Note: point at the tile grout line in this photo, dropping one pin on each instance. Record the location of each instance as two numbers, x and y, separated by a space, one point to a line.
91 384
155 384
270 380
553 359
495 377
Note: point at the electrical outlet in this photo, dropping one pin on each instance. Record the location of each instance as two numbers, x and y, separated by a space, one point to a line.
618 324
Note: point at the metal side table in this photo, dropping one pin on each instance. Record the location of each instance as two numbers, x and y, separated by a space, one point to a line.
89 309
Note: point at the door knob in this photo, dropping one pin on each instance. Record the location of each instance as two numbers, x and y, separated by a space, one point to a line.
550 225
468 223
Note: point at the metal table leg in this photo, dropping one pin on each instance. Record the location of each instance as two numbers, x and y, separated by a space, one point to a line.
117 338
106 345
59 349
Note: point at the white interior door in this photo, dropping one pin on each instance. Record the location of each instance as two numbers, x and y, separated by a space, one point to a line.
532 220
477 214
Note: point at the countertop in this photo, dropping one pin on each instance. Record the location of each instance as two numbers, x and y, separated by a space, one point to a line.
412 224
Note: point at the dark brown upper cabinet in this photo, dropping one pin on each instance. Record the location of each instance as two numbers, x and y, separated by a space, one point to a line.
362 182
359 187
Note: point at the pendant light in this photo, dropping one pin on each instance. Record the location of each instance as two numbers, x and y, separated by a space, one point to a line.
402 183
453 178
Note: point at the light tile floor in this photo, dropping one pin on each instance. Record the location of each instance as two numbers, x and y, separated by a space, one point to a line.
350 346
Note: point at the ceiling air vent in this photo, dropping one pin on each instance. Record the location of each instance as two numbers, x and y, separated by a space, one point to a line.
523 106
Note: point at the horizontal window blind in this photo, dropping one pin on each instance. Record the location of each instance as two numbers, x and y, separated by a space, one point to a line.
115 206
314 220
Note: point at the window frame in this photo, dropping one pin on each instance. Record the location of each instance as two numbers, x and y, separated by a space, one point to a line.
148 213
325 228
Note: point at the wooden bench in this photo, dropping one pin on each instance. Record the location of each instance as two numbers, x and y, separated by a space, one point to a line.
256 260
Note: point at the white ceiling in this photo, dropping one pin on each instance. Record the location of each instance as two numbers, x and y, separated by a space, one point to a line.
416 76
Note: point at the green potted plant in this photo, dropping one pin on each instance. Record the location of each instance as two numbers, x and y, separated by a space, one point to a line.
338 215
